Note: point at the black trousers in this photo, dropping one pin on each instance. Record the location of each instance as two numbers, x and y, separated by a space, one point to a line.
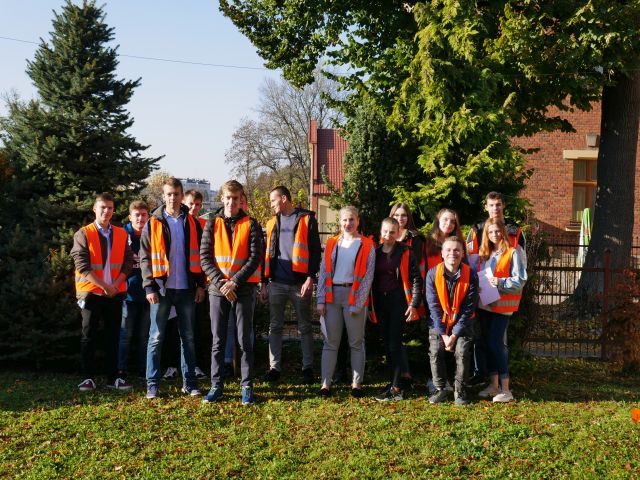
108 311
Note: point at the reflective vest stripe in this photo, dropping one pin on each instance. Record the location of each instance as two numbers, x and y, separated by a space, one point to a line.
118 246
508 302
300 253
450 312
160 260
360 269
229 257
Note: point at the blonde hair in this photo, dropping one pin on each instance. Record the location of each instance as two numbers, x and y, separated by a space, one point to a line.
487 247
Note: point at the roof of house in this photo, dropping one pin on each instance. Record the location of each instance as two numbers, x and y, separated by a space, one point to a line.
331 148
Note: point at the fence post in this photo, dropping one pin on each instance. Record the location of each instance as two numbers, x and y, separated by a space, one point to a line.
606 289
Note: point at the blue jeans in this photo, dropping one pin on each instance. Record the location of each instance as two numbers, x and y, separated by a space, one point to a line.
494 327
159 312
135 322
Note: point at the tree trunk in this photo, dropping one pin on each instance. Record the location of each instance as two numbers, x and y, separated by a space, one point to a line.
613 215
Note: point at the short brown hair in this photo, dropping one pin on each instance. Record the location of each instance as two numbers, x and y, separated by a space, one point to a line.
283 191
173 182
195 194
138 205
232 186
454 238
494 196
105 197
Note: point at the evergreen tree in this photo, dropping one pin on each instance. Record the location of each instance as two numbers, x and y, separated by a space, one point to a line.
60 150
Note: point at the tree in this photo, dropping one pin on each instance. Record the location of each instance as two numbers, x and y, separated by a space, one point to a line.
276 142
461 78
61 149
72 142
372 166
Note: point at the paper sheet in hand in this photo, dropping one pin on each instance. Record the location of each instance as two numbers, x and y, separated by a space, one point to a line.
323 327
488 293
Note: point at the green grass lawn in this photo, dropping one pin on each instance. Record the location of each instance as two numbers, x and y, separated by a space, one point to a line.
571 420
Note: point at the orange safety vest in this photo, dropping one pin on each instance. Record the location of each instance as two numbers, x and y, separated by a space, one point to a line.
432 260
120 239
508 302
159 258
358 273
300 254
514 239
407 285
450 312
230 258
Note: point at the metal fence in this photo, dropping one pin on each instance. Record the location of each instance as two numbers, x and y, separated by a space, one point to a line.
565 324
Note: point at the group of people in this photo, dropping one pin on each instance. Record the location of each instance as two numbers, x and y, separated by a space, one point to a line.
160 265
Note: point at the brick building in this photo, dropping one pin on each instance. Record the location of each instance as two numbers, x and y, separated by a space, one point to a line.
562 185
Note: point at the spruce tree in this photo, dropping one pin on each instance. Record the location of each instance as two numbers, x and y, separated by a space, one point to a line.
60 150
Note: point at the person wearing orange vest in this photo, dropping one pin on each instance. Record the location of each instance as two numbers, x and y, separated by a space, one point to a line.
494 206
506 270
292 261
346 275
171 277
446 224
452 292
230 255
103 260
395 297
409 235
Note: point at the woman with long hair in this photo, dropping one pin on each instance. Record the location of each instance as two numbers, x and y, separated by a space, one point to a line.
346 274
410 236
396 295
505 269
445 224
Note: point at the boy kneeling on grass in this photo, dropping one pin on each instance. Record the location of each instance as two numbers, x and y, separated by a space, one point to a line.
452 293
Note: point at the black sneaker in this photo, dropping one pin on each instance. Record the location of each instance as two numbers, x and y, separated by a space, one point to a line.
406 384
389 395
439 397
324 393
272 375
357 393
307 376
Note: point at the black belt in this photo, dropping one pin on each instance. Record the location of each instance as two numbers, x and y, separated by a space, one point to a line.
342 284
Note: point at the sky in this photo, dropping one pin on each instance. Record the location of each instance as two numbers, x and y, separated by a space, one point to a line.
186 112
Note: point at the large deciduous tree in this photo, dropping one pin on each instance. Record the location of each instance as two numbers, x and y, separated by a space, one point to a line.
458 78
61 149
274 145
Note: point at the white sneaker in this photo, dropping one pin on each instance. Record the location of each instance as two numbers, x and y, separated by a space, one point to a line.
503 397
200 375
170 374
489 392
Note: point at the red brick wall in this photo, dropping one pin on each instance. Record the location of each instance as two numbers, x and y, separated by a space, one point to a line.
550 188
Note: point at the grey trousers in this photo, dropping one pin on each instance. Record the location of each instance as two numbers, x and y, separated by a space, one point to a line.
337 316
463 354
279 294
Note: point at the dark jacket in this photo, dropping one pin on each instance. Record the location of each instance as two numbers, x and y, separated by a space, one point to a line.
135 292
148 282
82 257
315 249
464 325
209 266
414 272
417 243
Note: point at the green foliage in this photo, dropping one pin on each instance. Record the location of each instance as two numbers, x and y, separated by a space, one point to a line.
572 419
60 150
372 166
458 79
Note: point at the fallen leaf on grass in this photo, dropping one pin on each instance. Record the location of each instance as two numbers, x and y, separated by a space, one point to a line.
635 415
